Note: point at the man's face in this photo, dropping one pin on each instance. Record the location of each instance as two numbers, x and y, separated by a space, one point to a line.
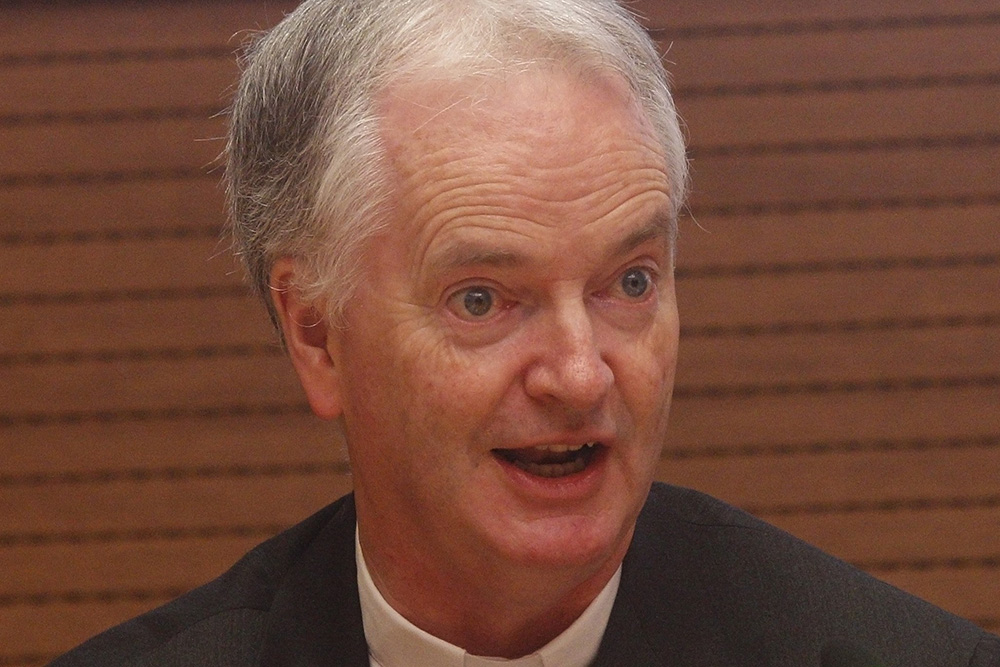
507 363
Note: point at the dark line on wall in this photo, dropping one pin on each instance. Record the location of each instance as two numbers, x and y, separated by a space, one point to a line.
27 659
90 597
885 385
106 177
871 84
163 534
35 419
683 392
256 350
175 474
749 209
179 473
753 450
52 237
841 326
962 141
804 26
108 296
838 266
109 116
155 354
858 506
118 55
929 564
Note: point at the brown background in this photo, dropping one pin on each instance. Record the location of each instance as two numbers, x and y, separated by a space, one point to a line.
838 280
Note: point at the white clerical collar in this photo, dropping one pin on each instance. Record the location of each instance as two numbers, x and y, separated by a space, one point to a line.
395 642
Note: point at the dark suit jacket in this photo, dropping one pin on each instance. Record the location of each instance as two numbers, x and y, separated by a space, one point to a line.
703 584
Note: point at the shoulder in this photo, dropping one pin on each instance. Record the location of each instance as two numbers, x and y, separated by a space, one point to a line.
750 588
223 620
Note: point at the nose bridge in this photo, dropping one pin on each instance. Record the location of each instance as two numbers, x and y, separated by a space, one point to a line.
571 366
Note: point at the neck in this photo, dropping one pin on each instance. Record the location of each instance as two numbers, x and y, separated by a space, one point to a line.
498 611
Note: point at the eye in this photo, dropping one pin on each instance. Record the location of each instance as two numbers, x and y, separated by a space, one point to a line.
635 282
473 303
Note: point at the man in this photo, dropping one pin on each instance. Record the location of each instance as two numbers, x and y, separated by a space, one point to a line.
461 215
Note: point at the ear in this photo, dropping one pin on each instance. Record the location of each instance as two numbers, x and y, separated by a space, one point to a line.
307 337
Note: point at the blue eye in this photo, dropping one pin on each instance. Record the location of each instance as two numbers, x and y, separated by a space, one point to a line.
477 301
473 303
635 283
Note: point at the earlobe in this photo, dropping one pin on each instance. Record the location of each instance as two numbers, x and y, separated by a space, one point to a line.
307 337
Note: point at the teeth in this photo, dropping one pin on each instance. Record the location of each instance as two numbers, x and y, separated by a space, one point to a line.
560 449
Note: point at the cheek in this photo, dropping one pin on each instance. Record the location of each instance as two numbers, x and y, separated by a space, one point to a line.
645 367
448 392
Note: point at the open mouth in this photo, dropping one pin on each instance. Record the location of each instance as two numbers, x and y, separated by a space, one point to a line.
551 460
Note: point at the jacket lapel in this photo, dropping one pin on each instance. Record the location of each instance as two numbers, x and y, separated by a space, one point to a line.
315 618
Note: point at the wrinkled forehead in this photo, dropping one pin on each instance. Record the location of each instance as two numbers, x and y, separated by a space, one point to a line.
541 149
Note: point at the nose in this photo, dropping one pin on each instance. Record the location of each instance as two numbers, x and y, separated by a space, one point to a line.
568 368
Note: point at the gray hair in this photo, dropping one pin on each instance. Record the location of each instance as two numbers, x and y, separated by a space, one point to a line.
304 167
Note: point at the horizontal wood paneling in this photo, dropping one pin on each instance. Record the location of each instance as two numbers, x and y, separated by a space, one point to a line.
822 483
40 632
782 416
130 145
133 328
102 27
825 121
761 296
170 504
702 63
721 15
135 264
210 446
837 286
831 238
927 539
832 358
106 92
841 176
67 211
148 385
41 570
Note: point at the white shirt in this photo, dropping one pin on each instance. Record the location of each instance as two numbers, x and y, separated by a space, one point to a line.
395 642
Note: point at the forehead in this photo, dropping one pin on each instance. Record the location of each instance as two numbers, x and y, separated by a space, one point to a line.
544 148
543 104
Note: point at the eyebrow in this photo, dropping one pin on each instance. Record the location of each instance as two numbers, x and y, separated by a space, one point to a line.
464 254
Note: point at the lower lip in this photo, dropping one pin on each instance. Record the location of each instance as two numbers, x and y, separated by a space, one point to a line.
573 487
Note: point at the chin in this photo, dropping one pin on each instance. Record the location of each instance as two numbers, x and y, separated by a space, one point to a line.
561 542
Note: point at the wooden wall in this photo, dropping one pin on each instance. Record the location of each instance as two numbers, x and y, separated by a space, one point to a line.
838 280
